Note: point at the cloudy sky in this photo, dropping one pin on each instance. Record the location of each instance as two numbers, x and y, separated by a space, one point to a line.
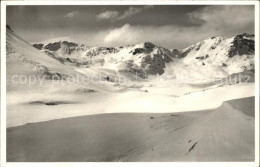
174 26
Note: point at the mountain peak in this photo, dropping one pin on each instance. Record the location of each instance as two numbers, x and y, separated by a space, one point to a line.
149 45
38 46
246 35
242 44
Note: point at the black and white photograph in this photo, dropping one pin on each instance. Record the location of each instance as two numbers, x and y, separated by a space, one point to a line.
130 82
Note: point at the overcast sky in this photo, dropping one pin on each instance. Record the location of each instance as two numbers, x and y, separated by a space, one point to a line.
175 26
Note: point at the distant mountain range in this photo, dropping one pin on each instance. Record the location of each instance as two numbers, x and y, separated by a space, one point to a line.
229 55
213 57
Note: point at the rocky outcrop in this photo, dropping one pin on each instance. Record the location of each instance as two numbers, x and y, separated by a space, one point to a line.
53 46
242 44
38 46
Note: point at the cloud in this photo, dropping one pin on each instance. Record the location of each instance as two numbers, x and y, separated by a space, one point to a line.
123 35
110 15
114 15
165 36
130 12
226 21
71 14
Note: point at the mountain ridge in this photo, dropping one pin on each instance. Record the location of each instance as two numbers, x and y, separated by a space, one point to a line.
213 57
231 55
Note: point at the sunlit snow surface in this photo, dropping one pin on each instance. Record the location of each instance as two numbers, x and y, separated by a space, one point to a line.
189 88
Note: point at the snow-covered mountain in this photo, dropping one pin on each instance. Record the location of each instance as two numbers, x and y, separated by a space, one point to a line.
213 57
233 55
141 59
24 60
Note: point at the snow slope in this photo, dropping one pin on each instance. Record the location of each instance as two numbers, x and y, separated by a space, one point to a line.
54 98
29 69
222 134
140 119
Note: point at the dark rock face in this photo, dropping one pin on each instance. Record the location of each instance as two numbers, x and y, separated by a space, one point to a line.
242 44
56 45
152 63
68 47
53 46
224 65
149 45
138 51
203 57
184 54
69 44
156 64
175 52
107 50
148 48
68 59
38 46
187 51
101 50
